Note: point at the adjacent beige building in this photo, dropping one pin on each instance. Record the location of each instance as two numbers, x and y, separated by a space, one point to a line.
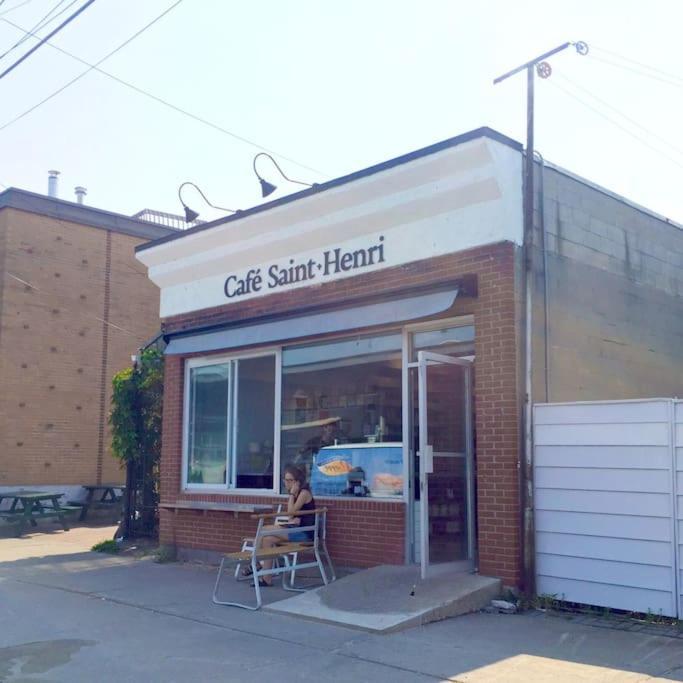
75 304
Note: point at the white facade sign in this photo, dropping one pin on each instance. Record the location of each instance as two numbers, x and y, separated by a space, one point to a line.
324 266
451 200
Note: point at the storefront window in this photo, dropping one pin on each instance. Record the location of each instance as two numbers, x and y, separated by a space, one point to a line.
255 411
341 415
208 424
231 423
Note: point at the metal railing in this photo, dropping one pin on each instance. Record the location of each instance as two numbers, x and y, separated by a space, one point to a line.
168 220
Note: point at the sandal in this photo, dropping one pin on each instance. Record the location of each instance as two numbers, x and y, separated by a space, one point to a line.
263 584
248 571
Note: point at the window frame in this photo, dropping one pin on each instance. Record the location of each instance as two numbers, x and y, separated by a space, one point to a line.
406 331
206 361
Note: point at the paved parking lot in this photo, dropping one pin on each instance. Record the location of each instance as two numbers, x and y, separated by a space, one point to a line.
72 615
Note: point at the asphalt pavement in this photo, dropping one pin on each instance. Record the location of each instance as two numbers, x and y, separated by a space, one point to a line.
72 615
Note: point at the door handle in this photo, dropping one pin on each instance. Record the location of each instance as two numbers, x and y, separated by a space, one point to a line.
429 459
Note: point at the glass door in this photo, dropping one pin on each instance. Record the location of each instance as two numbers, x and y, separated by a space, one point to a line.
445 461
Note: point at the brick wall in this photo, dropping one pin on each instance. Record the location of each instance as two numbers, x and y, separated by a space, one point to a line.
363 533
57 357
359 533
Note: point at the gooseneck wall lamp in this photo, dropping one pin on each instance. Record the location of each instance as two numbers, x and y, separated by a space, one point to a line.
266 187
190 214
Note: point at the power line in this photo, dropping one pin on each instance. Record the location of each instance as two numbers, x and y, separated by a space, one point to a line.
615 123
667 74
151 96
93 66
620 113
668 81
67 21
47 19
85 315
36 27
11 9
639 72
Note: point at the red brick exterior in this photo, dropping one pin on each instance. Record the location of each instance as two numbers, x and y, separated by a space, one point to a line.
364 533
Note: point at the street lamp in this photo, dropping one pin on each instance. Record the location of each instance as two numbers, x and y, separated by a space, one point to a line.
190 214
266 187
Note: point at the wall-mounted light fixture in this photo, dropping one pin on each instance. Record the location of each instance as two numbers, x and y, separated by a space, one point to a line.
190 214
266 187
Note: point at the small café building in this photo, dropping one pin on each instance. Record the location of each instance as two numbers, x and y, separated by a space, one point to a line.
366 330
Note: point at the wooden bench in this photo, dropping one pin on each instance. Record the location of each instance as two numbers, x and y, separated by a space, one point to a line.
248 544
287 557
13 515
99 496
21 518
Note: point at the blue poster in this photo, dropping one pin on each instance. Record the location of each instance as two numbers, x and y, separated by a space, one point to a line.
358 469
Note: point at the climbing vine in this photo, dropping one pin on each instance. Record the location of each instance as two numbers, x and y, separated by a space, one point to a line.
135 417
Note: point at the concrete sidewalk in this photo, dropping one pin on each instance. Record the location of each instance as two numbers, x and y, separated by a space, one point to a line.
50 539
391 598
78 616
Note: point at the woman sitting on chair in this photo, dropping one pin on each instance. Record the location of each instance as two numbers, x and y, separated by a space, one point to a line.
300 499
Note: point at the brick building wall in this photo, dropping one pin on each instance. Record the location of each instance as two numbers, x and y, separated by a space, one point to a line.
364 533
59 281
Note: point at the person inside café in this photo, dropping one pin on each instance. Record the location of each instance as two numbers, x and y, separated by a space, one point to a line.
299 499
331 434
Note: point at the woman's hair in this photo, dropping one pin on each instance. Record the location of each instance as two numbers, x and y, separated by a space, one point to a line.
298 474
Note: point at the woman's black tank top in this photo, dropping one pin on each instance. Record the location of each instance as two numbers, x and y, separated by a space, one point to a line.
308 520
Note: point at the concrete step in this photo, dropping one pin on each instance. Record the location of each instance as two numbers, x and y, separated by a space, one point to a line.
391 598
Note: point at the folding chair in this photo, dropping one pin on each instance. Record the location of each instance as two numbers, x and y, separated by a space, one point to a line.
289 553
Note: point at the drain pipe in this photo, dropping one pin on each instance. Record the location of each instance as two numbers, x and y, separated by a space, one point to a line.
527 478
544 253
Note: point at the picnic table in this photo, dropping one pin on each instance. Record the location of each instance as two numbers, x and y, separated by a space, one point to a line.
99 495
27 506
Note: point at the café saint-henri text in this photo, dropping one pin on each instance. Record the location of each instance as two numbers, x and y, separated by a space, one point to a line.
331 262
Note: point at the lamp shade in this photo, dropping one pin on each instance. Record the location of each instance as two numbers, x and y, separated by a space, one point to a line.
266 187
190 215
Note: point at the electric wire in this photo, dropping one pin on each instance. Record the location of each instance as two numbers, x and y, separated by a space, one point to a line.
151 96
35 28
91 67
47 19
642 65
68 310
620 113
11 9
639 72
42 41
615 123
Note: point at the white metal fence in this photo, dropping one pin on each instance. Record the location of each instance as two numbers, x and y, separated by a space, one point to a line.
608 477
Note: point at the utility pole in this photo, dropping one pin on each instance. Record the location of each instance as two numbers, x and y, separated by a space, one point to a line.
544 70
540 66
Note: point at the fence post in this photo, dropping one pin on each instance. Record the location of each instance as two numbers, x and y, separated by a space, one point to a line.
128 509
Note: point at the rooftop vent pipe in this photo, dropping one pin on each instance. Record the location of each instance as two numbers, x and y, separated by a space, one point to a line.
80 193
52 183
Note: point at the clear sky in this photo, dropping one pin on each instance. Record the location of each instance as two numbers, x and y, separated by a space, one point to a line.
336 86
